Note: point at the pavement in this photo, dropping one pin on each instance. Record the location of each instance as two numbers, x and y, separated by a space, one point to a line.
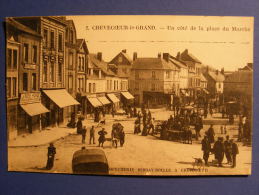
52 134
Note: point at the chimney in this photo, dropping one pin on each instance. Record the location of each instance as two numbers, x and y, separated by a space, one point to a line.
159 55
186 51
166 56
135 56
124 51
178 56
99 56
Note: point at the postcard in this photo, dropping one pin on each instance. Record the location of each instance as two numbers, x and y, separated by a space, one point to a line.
146 95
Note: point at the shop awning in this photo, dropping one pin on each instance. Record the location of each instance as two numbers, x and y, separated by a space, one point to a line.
34 109
127 95
94 101
206 91
113 98
61 97
104 100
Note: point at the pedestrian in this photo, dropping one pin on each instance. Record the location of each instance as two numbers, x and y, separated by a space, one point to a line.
92 134
151 126
211 110
83 132
206 148
79 125
114 135
122 137
211 134
205 112
113 112
137 126
51 156
198 127
101 139
234 152
135 111
228 149
218 150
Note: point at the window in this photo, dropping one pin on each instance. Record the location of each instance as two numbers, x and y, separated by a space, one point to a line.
9 58
70 83
15 59
120 59
33 81
14 87
8 87
45 71
51 72
52 40
153 74
153 87
83 64
45 38
90 88
107 83
94 88
70 64
25 82
60 72
34 54
60 42
114 86
26 52
167 74
79 64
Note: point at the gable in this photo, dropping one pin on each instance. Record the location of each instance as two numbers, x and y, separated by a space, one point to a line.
120 59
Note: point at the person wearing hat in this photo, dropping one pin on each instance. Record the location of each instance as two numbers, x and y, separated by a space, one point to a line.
206 148
211 134
83 132
218 150
228 149
51 156
234 152
101 139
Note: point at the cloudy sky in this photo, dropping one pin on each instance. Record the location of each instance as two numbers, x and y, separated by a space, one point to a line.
230 47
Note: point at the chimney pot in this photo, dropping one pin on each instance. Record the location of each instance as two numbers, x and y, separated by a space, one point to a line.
166 56
124 50
135 56
99 56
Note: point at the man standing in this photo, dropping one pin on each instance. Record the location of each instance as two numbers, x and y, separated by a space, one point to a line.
228 149
211 134
198 127
92 132
234 152
83 132
218 149
101 139
51 156
79 125
206 148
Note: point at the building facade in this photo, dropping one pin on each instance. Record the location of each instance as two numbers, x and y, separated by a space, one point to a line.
154 80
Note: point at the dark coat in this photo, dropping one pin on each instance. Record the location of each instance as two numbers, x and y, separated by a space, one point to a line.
51 151
218 150
205 145
102 135
235 150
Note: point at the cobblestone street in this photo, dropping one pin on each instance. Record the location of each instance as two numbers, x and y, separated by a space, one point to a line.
141 155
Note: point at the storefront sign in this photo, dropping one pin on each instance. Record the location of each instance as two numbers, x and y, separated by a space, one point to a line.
27 98
30 66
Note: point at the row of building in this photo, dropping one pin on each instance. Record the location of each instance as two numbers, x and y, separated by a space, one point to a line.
51 76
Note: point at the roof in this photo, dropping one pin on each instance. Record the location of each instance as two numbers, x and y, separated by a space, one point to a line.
100 64
81 43
21 27
218 77
240 76
203 78
178 63
185 55
153 63
123 53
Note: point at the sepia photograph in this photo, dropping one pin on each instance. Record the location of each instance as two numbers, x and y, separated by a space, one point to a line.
139 95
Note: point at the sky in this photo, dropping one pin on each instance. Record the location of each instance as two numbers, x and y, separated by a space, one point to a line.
215 40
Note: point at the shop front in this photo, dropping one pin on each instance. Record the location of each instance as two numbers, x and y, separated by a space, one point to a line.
115 101
56 100
107 106
127 99
30 113
94 107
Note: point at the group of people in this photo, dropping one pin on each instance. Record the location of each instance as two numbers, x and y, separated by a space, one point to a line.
145 118
220 149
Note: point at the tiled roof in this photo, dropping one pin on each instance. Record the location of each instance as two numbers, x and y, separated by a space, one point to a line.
21 27
218 77
240 76
185 55
177 62
153 63
100 64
